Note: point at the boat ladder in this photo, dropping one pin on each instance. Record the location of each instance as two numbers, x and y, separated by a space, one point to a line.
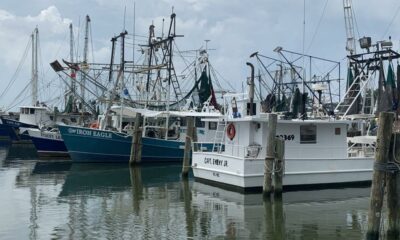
175 85
219 136
352 95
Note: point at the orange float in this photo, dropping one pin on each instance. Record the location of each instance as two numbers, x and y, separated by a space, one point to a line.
231 131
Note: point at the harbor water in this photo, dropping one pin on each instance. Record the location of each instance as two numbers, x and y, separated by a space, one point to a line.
55 199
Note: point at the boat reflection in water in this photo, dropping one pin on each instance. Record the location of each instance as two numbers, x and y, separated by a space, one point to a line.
151 202
319 214
77 201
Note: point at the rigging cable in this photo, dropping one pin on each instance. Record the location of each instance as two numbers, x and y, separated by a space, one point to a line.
18 70
318 25
19 95
391 22
226 81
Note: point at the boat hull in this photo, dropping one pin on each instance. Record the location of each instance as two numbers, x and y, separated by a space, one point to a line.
14 130
93 145
50 148
249 173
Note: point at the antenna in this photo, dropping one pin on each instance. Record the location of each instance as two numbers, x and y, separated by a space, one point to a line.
123 29
133 39
162 28
207 40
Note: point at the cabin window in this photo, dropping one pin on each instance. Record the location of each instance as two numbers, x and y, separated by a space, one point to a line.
212 125
183 122
32 111
254 109
73 120
200 123
308 134
337 131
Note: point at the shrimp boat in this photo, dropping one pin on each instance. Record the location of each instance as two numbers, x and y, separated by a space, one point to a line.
317 150
96 145
159 95
48 143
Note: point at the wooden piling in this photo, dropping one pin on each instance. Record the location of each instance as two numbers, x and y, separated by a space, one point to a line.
392 189
385 128
279 220
270 155
269 218
136 147
189 212
279 167
188 146
194 138
137 188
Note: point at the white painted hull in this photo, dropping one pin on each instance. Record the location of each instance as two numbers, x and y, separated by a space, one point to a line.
249 173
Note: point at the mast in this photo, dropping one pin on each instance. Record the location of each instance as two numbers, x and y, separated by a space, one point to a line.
35 39
122 69
85 59
113 40
120 74
349 24
71 59
251 89
171 39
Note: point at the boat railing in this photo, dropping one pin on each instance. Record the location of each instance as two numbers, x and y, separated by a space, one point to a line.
201 147
361 150
250 151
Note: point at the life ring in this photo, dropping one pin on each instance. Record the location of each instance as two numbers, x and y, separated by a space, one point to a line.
231 131
94 125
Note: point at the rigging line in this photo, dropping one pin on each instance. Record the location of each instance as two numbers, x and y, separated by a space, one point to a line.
226 81
391 22
187 63
215 77
18 96
17 71
318 25
304 32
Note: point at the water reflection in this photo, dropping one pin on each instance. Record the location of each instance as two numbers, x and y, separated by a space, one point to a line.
319 214
78 201
21 150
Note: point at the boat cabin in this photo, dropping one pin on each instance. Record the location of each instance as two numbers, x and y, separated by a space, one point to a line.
34 115
244 135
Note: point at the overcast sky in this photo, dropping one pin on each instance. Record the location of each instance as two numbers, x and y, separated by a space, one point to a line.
236 29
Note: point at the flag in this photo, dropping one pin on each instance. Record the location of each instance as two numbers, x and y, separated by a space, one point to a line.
391 87
126 92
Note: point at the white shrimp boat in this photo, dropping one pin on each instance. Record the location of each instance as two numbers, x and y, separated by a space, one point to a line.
317 152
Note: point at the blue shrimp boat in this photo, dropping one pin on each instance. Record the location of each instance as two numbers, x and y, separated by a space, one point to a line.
94 145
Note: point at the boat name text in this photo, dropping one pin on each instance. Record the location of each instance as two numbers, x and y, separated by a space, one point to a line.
86 132
286 137
51 136
216 161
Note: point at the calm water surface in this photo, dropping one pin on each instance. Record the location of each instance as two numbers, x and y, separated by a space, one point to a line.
60 200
